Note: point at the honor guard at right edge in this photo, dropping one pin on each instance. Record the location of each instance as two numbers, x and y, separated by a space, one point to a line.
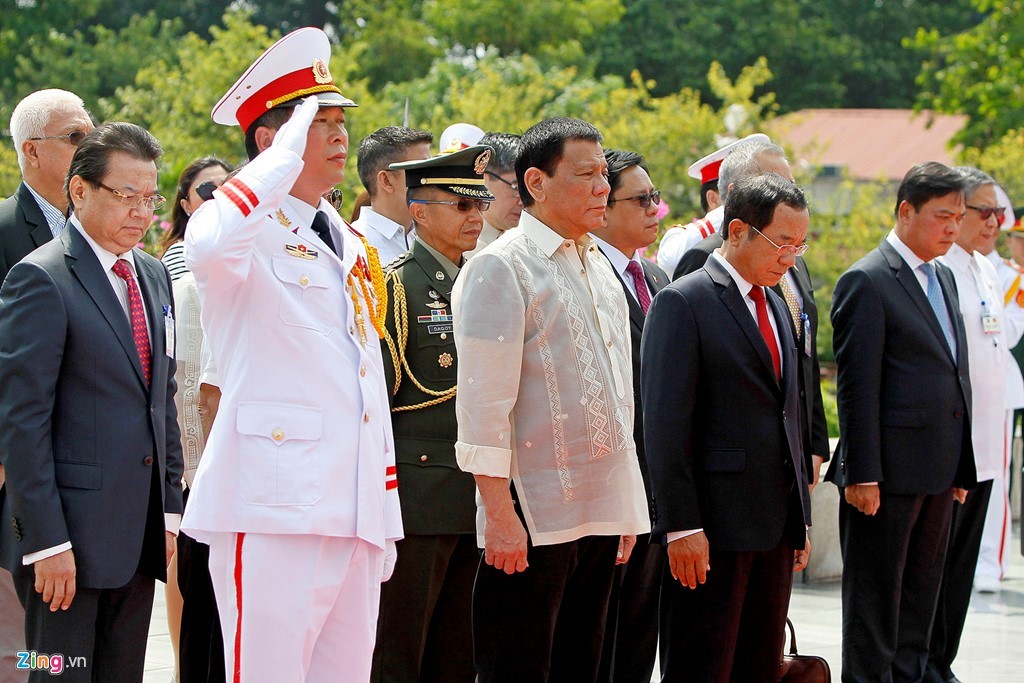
424 631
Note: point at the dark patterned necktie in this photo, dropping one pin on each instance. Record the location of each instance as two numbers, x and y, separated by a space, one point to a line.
138 316
642 295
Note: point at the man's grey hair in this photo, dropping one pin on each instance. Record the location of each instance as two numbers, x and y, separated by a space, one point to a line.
33 114
973 179
743 160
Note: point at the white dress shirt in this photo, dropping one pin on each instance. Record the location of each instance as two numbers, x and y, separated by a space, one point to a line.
619 263
387 236
545 384
55 218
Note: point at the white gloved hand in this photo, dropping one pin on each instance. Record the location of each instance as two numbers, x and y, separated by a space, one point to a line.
390 557
292 135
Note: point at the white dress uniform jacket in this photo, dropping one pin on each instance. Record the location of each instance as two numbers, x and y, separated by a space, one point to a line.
302 443
681 238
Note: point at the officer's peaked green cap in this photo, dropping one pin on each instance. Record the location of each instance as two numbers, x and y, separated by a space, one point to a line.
461 173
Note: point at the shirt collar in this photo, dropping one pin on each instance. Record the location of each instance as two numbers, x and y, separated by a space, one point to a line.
994 258
958 258
450 268
912 259
618 260
741 283
107 259
55 218
380 223
544 237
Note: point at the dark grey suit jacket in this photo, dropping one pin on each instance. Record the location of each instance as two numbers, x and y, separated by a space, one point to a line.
723 439
656 280
23 228
80 432
904 400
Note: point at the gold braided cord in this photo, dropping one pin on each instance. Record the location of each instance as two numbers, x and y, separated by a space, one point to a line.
398 351
380 291
396 361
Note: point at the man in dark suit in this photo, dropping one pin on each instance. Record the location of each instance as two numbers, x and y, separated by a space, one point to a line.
631 225
905 450
45 126
724 444
795 288
88 428
424 628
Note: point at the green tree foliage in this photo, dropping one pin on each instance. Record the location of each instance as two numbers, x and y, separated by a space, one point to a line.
1004 161
978 72
840 53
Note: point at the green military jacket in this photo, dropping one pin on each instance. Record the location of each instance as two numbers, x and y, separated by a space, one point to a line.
436 496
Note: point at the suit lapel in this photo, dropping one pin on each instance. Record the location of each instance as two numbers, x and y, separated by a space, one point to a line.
912 286
430 267
636 314
949 293
87 269
38 228
738 308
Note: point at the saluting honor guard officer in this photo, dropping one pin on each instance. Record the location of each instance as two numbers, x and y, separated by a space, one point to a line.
425 632
296 493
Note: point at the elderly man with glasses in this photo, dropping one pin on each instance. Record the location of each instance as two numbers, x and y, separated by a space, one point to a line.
724 444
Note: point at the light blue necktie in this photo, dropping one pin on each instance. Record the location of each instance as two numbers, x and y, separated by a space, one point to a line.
938 304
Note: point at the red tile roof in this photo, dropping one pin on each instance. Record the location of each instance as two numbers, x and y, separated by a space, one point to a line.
868 143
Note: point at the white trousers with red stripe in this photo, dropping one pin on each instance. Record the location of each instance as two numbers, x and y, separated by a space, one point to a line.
994 557
308 606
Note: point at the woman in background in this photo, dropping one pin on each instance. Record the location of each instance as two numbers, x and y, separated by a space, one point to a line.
195 186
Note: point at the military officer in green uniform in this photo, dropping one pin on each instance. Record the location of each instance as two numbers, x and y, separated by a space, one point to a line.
424 629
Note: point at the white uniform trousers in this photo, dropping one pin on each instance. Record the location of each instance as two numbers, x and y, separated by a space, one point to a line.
308 606
994 557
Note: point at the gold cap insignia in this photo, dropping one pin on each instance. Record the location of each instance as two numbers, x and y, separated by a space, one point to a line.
321 74
480 165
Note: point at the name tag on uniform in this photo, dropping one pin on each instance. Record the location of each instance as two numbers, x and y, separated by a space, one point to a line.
168 332
439 329
990 323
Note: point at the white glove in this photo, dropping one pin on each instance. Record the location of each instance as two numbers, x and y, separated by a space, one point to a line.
390 557
292 135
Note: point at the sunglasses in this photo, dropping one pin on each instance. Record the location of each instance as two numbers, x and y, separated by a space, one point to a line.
463 205
205 190
986 212
75 137
645 200
513 185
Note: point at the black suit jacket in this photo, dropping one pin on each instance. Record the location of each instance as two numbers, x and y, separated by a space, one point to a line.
656 280
80 432
721 433
23 228
904 401
812 408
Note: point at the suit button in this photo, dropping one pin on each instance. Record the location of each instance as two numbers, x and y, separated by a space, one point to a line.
958 413
423 458
277 434
803 393
148 460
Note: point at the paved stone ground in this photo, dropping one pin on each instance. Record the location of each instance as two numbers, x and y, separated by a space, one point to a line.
991 650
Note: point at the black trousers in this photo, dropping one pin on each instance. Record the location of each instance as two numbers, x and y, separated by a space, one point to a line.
424 629
631 635
545 623
201 644
892 571
966 528
101 637
731 628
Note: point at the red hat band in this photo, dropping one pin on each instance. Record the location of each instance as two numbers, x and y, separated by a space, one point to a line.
710 172
307 81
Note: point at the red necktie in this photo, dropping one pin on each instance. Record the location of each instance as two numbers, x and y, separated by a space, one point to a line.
765 325
138 316
637 271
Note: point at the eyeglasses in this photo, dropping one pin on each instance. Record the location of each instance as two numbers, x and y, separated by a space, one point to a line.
75 137
514 186
151 202
463 205
986 212
785 250
205 190
645 200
